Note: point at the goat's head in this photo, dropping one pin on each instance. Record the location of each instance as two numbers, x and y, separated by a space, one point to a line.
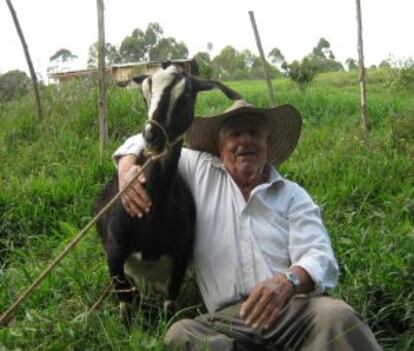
170 95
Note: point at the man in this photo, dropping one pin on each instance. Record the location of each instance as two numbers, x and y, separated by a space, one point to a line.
262 256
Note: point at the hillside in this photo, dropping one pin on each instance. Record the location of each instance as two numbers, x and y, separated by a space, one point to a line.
51 171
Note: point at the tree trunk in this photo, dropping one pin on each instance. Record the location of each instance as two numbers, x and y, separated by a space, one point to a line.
265 67
103 123
28 59
364 118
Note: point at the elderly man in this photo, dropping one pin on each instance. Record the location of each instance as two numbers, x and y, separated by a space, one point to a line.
262 256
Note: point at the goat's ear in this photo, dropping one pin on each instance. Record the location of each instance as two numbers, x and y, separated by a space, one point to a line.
139 79
204 85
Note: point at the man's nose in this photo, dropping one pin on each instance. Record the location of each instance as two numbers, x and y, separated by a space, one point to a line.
245 137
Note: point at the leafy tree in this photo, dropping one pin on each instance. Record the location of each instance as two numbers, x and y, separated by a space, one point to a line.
302 73
323 57
13 84
323 50
112 55
352 64
225 63
203 61
402 75
231 64
168 49
151 45
384 64
133 48
62 56
276 56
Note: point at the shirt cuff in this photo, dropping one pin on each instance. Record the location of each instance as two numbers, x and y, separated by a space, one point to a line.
132 146
319 276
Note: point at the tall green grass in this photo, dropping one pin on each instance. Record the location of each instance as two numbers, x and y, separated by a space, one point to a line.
51 171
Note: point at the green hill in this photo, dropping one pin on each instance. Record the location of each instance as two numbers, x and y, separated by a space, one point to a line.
51 171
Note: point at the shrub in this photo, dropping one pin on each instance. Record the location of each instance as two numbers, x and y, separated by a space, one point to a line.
13 84
302 73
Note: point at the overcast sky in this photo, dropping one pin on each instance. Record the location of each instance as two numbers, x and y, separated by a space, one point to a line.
293 26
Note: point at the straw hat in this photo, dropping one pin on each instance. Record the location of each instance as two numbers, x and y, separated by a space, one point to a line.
283 122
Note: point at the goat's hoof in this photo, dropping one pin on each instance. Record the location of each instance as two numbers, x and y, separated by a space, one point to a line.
125 311
170 307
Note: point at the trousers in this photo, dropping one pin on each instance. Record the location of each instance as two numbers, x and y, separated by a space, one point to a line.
307 323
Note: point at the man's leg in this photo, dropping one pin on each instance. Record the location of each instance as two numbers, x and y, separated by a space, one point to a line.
307 323
192 335
336 326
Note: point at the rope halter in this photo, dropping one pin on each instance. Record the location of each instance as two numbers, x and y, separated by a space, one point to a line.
168 143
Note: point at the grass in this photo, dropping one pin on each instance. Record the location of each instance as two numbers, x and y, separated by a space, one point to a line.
51 171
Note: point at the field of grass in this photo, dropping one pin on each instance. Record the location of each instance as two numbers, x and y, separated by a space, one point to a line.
51 171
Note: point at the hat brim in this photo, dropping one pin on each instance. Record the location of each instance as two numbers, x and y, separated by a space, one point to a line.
283 122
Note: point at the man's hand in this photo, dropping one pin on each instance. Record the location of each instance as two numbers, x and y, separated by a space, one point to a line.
266 301
135 200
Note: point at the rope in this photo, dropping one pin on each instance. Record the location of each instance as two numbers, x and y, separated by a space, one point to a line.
5 317
168 144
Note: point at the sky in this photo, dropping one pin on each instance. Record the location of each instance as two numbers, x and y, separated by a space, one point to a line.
293 26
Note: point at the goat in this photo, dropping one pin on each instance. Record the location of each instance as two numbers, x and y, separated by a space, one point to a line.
159 245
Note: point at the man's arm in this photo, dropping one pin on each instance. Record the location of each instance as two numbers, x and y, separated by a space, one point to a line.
312 260
135 200
266 301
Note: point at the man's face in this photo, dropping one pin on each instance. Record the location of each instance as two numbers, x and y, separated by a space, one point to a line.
243 147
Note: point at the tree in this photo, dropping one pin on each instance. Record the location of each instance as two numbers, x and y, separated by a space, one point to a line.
323 57
384 64
133 48
225 63
151 45
13 84
352 64
112 55
204 64
302 73
276 57
168 49
323 50
62 56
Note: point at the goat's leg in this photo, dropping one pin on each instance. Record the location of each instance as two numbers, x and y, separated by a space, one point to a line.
121 285
177 276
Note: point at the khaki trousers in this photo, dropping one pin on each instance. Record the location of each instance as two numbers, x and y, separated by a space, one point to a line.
307 323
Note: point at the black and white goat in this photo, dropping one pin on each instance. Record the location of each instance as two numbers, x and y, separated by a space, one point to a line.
157 246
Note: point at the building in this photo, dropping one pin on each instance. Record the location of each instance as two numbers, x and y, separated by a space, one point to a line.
121 74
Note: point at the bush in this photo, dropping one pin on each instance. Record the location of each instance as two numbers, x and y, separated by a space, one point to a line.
302 73
13 84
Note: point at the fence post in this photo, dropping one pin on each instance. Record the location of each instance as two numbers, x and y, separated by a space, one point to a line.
265 67
364 118
103 122
28 59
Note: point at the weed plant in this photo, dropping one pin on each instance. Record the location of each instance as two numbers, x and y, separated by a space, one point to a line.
51 171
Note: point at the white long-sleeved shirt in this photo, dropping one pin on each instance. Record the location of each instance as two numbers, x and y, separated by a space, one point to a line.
240 243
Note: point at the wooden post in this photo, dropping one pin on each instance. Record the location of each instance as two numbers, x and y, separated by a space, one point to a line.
265 67
364 118
103 122
28 59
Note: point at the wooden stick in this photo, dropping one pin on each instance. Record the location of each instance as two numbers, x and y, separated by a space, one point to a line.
28 59
364 118
265 67
103 120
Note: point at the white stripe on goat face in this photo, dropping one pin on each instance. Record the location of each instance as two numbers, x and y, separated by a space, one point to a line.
160 81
